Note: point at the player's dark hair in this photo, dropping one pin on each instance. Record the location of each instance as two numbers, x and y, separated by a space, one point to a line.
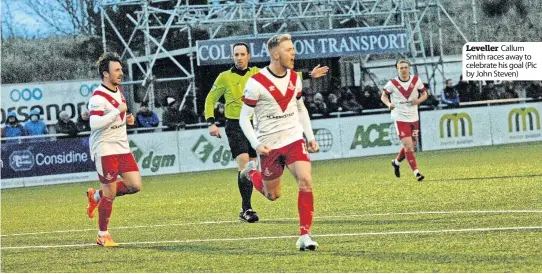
103 62
401 61
241 44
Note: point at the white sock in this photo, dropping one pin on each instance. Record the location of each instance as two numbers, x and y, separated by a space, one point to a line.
396 162
97 196
101 233
416 172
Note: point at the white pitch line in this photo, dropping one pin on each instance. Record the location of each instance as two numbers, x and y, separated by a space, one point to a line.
286 219
292 236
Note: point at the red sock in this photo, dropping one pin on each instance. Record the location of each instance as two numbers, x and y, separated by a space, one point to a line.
104 211
305 206
121 188
401 155
411 159
256 178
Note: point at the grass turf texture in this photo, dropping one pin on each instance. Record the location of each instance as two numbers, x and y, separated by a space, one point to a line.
356 206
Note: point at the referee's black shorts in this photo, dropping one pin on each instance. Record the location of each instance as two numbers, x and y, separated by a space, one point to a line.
239 144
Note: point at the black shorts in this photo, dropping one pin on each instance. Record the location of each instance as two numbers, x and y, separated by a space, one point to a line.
239 144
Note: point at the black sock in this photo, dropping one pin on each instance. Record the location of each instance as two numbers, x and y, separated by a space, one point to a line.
245 188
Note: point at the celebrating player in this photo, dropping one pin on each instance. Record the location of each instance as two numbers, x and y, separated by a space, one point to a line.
109 145
404 92
230 84
273 96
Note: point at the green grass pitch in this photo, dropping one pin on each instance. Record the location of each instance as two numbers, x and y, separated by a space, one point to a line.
479 210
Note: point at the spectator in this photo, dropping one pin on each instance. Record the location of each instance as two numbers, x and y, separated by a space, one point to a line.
66 125
318 105
449 95
369 100
520 88
349 102
220 116
431 101
534 90
83 121
463 88
487 89
35 126
146 117
308 101
510 90
188 115
496 93
333 103
13 128
172 115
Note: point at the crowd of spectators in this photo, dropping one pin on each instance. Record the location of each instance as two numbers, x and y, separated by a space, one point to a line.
354 99
465 91
357 99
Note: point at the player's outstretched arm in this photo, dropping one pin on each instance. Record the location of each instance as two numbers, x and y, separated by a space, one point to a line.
98 119
319 71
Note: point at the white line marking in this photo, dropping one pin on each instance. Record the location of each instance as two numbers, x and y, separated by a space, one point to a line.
292 236
286 219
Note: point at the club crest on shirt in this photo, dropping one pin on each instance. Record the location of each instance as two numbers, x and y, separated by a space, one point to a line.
291 86
108 177
267 172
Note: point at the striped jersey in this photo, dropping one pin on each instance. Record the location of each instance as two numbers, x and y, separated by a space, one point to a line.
112 138
402 93
276 114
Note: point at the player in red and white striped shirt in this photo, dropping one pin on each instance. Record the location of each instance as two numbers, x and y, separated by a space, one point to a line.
406 92
109 146
273 95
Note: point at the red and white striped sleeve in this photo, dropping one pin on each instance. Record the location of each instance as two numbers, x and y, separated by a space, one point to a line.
251 94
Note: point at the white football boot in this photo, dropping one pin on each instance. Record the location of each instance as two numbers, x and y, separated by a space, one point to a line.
306 243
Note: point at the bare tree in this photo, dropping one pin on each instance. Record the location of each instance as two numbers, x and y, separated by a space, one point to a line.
67 16
7 20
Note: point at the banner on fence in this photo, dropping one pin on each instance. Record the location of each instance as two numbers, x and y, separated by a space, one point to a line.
455 128
200 151
368 135
309 46
156 153
516 123
48 97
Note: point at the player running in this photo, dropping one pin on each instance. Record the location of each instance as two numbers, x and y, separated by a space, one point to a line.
273 96
109 145
404 92
230 84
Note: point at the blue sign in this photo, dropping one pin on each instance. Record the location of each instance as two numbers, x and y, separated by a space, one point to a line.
46 158
309 46
26 94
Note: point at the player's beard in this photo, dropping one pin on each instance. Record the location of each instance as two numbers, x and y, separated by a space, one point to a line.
116 82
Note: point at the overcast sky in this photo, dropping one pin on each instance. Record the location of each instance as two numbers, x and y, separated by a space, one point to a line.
24 22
